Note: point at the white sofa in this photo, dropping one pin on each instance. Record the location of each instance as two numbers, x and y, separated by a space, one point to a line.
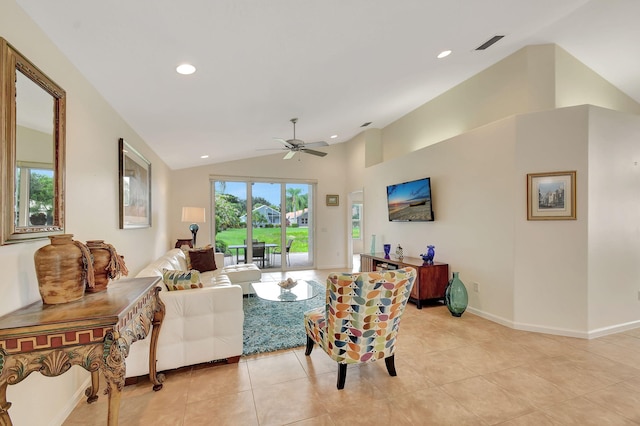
200 325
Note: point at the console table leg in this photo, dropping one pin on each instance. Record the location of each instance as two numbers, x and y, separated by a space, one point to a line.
5 420
113 369
92 391
158 317
114 405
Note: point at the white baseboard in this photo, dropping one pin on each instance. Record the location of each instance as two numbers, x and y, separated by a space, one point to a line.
604 331
581 334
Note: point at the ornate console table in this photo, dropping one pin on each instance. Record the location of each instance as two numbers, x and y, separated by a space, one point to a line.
94 332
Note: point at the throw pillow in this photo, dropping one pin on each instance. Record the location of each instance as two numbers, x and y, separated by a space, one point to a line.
186 250
181 280
203 260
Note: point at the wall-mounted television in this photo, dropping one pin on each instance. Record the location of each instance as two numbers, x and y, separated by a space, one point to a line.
410 201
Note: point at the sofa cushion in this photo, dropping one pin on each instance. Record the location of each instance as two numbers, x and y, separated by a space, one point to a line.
243 273
214 279
181 280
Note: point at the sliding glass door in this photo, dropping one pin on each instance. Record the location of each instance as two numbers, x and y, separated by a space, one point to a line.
299 230
230 227
267 223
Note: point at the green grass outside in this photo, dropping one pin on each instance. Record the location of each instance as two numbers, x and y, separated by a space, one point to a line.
268 235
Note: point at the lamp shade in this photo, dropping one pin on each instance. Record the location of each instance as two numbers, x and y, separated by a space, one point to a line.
193 214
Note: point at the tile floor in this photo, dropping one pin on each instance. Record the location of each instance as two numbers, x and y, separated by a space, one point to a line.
462 371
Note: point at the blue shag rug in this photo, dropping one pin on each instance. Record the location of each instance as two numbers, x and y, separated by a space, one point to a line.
271 326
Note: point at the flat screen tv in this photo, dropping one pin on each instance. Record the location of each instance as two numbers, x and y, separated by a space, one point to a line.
410 201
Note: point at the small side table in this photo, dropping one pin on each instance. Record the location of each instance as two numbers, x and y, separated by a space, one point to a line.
185 242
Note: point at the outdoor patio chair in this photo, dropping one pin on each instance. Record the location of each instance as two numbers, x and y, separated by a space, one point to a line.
360 319
259 253
278 251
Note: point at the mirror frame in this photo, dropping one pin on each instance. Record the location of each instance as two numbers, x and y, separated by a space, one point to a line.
11 62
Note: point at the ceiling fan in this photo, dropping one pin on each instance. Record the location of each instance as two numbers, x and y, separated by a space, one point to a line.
296 145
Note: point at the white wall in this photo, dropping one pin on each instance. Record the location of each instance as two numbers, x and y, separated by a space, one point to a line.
551 256
614 220
93 129
191 187
473 192
578 277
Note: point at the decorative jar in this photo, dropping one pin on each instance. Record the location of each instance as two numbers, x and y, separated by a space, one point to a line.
107 264
455 296
63 269
387 250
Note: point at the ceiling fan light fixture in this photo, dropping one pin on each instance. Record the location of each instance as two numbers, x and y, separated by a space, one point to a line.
333 136
185 69
444 54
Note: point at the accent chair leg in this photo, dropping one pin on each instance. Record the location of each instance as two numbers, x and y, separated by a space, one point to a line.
310 344
391 366
342 375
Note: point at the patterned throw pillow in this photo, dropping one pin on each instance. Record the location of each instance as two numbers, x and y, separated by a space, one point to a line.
181 280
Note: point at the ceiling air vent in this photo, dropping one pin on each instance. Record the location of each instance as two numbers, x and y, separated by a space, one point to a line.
366 124
489 42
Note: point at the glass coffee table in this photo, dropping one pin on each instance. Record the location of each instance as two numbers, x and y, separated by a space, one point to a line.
270 290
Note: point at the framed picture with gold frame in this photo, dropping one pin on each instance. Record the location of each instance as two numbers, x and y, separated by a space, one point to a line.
333 200
135 187
551 196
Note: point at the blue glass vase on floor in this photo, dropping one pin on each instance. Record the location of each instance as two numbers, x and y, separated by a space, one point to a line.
455 296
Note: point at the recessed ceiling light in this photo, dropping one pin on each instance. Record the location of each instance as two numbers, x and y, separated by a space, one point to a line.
444 54
186 69
334 136
204 156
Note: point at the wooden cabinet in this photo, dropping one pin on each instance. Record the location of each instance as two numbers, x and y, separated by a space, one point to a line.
431 280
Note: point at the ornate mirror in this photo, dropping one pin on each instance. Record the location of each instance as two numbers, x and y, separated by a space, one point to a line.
32 109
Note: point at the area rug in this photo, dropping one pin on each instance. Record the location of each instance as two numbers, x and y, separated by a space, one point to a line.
271 326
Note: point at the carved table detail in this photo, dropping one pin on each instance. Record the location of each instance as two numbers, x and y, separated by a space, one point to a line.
94 332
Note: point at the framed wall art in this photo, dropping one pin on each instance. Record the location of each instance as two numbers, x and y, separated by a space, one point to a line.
333 200
135 188
551 196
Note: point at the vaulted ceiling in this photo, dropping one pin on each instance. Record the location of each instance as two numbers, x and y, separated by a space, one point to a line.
334 64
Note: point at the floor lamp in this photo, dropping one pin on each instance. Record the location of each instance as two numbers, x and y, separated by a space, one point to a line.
193 215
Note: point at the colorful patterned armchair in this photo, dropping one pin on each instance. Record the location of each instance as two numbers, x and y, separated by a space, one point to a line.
361 318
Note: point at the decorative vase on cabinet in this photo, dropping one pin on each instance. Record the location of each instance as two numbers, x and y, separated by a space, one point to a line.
427 258
455 296
63 269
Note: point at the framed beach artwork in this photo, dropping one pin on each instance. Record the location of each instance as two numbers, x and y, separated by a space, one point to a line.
551 196
135 188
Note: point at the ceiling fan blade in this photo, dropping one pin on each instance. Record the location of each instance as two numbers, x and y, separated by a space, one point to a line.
289 155
316 144
312 152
